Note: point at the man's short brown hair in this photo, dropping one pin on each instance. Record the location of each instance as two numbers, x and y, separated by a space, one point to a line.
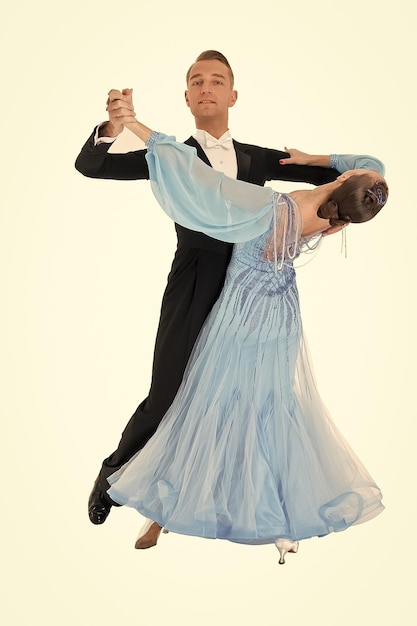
213 55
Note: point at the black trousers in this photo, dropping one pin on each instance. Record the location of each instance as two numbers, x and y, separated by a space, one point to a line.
194 284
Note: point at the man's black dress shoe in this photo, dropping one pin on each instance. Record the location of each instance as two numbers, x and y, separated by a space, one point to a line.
98 505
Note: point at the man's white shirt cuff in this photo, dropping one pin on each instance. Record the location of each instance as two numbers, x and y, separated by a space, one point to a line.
98 140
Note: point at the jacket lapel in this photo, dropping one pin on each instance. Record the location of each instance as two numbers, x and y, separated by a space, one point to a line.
200 152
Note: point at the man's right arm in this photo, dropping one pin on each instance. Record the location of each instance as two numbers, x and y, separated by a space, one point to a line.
95 161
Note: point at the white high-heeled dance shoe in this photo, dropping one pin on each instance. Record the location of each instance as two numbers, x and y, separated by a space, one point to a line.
284 546
148 535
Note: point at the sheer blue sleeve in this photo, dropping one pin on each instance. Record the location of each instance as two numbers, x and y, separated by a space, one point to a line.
200 198
344 162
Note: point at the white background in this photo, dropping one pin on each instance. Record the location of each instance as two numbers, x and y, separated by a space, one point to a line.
83 267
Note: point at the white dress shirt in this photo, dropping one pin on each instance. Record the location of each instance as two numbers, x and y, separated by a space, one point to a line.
220 152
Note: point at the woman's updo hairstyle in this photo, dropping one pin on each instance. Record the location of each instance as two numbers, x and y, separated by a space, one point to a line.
358 199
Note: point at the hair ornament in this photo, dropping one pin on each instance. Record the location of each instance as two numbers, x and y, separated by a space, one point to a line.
379 195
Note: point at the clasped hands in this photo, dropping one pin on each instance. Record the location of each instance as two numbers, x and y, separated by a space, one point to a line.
120 109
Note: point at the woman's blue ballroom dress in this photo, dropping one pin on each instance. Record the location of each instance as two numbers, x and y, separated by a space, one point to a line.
247 451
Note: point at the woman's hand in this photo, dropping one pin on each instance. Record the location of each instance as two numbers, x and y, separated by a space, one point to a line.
297 157
333 229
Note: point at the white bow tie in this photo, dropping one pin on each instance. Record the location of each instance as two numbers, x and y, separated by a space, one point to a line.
225 143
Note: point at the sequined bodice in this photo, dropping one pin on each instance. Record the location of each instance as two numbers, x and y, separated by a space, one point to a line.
249 256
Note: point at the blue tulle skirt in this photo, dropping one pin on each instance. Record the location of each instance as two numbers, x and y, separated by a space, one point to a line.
248 452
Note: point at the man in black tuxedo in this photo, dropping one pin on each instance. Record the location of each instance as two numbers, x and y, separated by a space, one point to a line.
200 262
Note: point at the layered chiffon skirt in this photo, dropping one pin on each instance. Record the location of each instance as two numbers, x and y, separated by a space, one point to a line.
248 451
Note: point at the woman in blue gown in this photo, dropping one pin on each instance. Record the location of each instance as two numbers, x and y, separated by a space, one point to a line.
247 451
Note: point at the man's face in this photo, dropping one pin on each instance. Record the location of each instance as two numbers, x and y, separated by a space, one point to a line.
210 92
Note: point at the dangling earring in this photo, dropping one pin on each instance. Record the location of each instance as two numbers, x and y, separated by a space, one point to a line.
344 241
